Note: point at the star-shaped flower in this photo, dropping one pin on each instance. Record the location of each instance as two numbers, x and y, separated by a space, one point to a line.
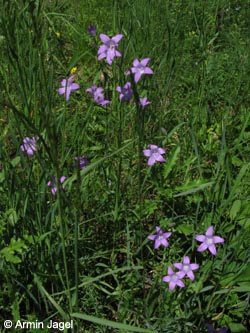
125 92
144 102
209 241
92 30
160 238
155 154
82 161
109 48
98 96
139 68
67 86
187 268
174 279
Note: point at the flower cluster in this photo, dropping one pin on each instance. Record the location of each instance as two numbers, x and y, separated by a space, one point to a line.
185 268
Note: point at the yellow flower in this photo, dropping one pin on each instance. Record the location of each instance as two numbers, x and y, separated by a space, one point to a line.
57 33
73 70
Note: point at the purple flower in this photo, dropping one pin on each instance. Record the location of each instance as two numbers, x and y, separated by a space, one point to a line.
109 48
211 329
139 68
92 30
52 183
126 92
67 86
187 268
208 241
29 145
155 154
160 238
82 161
98 95
144 102
174 279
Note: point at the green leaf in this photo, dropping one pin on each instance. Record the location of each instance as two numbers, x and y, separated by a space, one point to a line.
203 290
245 223
15 161
171 162
235 209
110 323
237 328
44 292
192 188
242 288
185 229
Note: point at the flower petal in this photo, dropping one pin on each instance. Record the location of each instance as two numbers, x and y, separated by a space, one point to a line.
186 260
172 285
61 91
170 271
159 158
202 247
180 284
104 38
136 62
147 152
152 237
74 86
200 238
148 70
151 160
210 231
190 274
145 61
212 249
194 266
117 38
166 278
137 77
218 239
178 265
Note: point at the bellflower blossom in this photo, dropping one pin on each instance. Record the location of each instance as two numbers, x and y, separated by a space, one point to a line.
109 48
139 68
208 241
52 184
160 238
144 102
98 95
29 145
67 86
187 268
92 30
125 92
82 161
155 154
174 279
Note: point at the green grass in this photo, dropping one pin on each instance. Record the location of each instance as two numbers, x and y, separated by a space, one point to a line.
84 254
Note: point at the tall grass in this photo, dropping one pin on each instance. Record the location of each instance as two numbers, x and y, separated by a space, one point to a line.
83 254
